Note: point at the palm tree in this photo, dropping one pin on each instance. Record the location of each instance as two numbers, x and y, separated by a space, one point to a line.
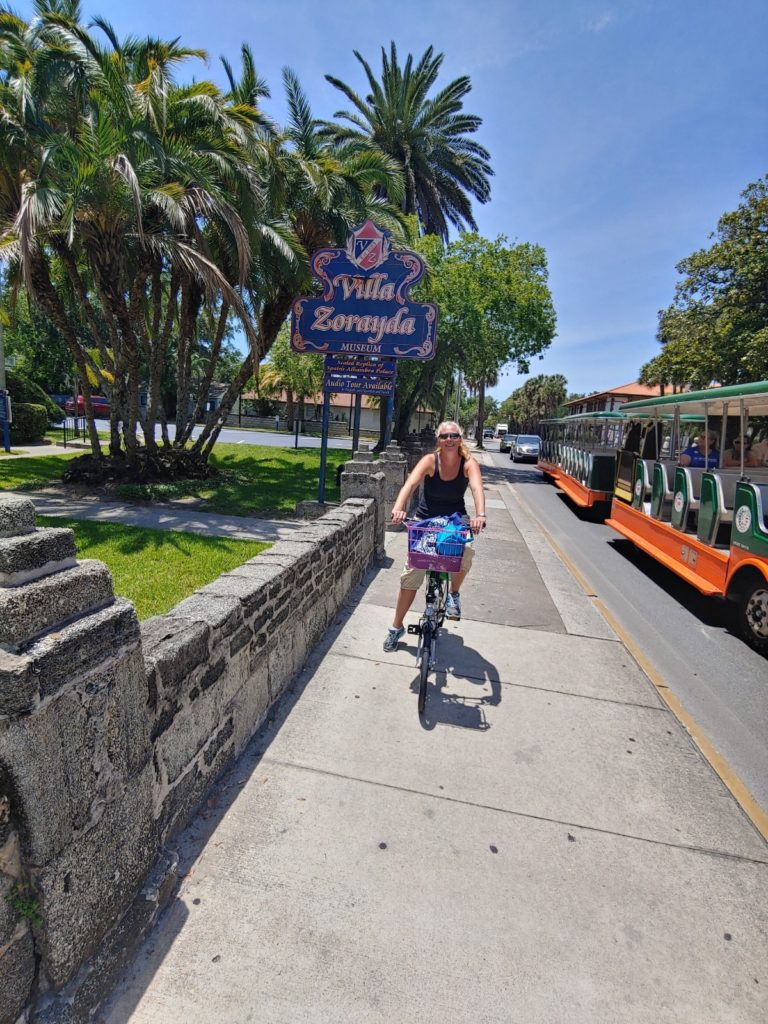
428 137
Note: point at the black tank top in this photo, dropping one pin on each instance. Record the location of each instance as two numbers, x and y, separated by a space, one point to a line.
443 497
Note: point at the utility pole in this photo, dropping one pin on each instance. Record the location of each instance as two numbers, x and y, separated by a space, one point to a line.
458 398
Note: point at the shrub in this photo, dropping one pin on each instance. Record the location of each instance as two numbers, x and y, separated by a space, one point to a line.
29 421
25 391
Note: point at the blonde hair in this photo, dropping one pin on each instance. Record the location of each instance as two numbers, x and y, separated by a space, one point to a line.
453 425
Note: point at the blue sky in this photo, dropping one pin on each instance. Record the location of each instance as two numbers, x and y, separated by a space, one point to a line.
619 131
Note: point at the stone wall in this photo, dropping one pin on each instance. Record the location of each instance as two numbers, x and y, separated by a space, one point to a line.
111 732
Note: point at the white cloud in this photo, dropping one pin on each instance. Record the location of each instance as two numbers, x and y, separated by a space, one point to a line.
601 21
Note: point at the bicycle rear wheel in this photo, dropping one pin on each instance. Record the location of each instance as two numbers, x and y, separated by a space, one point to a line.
426 657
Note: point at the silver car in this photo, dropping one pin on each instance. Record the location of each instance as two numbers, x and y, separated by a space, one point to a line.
526 448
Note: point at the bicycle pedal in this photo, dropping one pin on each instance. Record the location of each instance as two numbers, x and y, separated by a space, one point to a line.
415 629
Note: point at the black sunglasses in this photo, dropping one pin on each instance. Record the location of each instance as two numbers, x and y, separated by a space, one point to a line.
451 437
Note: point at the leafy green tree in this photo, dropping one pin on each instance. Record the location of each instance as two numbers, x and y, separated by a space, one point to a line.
141 216
428 137
35 344
716 329
496 308
538 399
300 376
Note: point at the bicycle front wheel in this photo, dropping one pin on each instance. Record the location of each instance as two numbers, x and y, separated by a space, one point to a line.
426 657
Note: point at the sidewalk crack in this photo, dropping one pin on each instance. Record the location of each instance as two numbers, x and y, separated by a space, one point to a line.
706 851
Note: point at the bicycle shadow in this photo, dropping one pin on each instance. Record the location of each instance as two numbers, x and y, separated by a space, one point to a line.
465 710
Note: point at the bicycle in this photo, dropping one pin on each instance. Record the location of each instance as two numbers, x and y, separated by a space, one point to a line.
439 566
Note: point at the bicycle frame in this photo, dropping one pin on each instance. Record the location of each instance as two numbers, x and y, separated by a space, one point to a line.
438 566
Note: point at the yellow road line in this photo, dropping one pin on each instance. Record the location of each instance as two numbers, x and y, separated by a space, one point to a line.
722 768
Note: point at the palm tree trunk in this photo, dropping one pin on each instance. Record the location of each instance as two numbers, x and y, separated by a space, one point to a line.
480 413
49 300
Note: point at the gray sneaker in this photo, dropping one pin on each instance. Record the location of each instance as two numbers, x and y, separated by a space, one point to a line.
393 638
453 606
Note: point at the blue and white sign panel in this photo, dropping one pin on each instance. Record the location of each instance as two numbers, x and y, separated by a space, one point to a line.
5 407
343 364
359 377
366 309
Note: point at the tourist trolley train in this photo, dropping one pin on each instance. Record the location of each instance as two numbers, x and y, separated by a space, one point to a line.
578 454
700 507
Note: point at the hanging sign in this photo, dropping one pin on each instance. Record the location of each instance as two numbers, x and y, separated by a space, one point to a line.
365 308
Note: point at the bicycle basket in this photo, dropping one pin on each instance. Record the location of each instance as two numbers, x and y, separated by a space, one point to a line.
425 551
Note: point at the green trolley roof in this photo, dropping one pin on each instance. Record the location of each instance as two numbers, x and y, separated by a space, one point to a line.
711 401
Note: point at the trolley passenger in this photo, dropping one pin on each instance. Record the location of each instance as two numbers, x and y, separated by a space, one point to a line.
733 455
702 454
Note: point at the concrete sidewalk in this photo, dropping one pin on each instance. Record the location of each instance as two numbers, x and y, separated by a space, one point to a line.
546 845
160 517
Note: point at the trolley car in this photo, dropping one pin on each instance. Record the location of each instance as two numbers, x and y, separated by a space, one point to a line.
700 508
578 453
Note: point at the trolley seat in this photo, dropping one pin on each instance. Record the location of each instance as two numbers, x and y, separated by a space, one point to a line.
718 496
662 494
642 488
687 495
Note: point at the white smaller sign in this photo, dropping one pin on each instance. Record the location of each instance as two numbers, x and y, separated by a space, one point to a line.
743 519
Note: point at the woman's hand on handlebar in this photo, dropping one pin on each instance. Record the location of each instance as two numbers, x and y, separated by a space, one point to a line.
477 523
398 515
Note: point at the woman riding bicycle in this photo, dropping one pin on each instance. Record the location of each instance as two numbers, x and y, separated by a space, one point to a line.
446 473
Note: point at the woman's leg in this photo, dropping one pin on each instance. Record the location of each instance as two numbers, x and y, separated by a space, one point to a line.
457 578
404 602
410 582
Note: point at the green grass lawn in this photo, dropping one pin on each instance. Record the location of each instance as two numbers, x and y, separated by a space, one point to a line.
255 479
30 473
156 568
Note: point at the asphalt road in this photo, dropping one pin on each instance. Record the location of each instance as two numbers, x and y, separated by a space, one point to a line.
688 638
271 438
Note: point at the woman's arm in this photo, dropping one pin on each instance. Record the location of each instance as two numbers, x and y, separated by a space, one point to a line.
422 468
477 522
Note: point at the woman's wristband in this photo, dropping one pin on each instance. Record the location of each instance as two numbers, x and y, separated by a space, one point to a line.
480 515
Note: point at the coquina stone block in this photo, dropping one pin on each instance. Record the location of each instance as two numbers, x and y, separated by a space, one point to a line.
85 889
76 648
19 685
17 974
28 611
33 555
17 516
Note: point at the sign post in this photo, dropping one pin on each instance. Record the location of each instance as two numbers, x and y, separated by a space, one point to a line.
356 425
324 447
6 418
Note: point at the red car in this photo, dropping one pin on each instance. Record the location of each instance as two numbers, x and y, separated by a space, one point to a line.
99 403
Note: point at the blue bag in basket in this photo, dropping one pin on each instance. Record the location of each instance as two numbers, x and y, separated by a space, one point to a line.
451 540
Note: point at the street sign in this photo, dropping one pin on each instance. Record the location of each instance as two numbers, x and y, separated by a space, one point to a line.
366 308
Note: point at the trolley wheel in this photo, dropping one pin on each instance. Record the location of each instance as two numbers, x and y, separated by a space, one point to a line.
426 653
753 614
